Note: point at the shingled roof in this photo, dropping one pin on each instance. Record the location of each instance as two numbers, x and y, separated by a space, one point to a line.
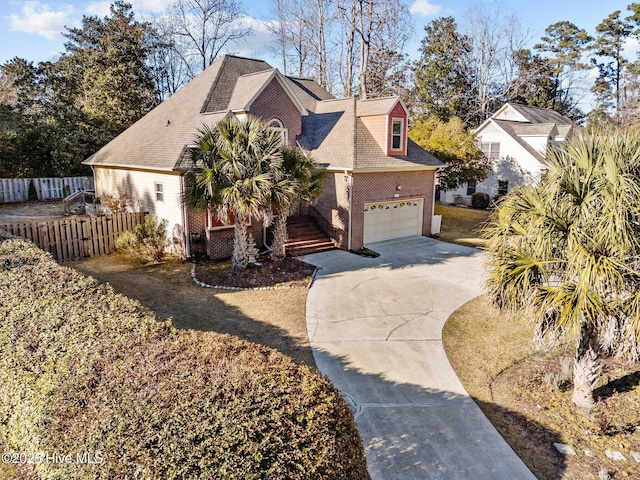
159 140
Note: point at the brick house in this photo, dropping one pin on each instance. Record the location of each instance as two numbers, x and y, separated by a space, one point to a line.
380 184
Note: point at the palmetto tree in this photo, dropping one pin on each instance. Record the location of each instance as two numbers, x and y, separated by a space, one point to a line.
303 183
566 252
236 165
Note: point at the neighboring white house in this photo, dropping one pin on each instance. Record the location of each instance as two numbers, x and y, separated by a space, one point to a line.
516 139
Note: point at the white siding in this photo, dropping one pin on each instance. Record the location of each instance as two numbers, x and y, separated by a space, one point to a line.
516 165
141 186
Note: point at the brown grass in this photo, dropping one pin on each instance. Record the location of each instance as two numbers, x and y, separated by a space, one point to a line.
274 318
460 224
496 362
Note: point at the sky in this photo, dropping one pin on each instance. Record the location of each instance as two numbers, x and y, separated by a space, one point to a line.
32 29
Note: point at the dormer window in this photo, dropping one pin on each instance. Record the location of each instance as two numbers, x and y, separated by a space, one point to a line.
396 134
277 126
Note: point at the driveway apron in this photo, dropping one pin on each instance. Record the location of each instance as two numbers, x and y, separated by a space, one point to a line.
375 327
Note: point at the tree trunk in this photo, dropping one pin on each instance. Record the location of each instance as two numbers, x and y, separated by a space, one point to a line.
278 250
585 367
240 258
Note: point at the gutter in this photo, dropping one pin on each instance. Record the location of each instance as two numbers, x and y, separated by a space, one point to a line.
185 219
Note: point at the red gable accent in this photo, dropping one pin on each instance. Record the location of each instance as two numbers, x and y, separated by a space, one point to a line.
397 113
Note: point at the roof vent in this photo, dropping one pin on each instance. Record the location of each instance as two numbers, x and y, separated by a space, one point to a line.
168 123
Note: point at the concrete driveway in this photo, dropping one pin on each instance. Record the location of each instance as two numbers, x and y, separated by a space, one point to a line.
375 327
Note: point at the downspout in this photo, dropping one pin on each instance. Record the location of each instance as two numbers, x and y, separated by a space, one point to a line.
350 176
185 219
349 179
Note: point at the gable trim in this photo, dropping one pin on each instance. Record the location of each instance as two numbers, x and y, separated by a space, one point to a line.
285 86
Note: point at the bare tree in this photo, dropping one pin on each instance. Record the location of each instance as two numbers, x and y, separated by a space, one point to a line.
203 28
495 38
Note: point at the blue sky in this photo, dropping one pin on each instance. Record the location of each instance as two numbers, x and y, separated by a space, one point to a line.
31 29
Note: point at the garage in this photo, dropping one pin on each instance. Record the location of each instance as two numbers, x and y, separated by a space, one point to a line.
387 220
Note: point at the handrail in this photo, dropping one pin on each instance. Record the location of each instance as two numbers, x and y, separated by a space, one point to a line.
71 200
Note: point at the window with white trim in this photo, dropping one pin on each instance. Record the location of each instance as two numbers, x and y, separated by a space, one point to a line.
491 150
396 134
471 187
277 126
159 190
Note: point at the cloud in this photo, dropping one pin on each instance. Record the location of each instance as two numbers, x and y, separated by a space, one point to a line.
423 7
256 45
99 9
38 18
631 48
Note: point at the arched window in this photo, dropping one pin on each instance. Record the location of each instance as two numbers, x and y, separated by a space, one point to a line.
277 126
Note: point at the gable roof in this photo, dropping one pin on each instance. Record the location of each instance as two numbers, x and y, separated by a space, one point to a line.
540 115
159 140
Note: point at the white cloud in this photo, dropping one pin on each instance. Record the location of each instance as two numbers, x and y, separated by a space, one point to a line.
423 7
256 45
151 6
631 48
99 9
38 18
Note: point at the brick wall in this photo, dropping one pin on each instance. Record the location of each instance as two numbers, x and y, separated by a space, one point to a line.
381 187
333 205
218 244
274 102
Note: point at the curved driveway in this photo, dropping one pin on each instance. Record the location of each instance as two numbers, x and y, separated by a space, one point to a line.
375 327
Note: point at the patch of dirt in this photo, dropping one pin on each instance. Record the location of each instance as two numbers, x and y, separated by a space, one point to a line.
30 211
289 272
546 415
274 318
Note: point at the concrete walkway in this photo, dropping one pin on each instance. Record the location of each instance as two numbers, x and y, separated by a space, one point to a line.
375 327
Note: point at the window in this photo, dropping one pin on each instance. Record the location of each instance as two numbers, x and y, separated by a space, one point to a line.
471 187
277 126
214 223
396 134
159 189
491 150
503 187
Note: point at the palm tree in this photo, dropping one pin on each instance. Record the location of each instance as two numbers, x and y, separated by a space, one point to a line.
566 252
236 165
303 183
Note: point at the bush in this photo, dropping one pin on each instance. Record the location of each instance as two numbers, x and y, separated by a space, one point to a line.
496 199
84 369
152 235
112 204
480 200
148 241
33 193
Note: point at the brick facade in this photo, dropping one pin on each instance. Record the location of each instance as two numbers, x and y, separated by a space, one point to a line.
381 187
274 102
217 244
333 205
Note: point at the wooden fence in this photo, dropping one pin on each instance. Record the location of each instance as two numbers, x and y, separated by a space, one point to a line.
78 237
17 189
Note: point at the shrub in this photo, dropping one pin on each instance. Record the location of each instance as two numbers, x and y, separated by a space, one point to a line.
496 199
33 193
84 369
152 235
127 243
480 200
112 204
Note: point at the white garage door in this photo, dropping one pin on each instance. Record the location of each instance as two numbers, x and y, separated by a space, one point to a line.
386 220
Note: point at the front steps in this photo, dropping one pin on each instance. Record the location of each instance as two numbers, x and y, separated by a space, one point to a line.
305 237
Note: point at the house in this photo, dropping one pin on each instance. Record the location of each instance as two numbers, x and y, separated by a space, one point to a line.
516 139
380 183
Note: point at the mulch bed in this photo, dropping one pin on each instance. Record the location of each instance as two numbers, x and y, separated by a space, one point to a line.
286 273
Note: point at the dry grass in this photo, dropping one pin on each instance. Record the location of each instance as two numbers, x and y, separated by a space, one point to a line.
496 362
460 224
274 318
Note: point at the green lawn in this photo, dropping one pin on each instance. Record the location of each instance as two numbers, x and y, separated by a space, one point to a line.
461 224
